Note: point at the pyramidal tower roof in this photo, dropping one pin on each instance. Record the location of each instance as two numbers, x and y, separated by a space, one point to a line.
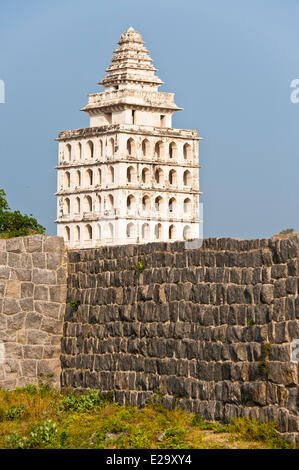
131 64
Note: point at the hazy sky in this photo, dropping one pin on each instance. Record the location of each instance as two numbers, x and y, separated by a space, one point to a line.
230 64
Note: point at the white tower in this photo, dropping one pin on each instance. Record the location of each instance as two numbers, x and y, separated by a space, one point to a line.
129 177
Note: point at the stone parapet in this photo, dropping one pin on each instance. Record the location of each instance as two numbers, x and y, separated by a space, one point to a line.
32 305
212 326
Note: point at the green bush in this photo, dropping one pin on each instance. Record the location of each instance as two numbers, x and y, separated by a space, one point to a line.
83 403
197 421
15 412
14 224
41 436
255 430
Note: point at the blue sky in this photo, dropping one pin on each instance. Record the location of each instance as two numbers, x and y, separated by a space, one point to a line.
230 65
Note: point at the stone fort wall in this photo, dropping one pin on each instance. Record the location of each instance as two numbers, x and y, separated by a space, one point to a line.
32 305
213 326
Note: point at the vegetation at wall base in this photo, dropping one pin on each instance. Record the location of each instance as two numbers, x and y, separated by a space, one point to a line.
14 224
42 418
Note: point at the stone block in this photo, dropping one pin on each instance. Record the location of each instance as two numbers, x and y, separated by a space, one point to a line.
15 245
11 306
39 260
53 244
33 243
267 293
13 351
29 367
38 337
44 276
58 294
33 352
13 289
53 260
21 274
3 258
33 320
48 366
16 322
4 272
27 289
51 326
41 292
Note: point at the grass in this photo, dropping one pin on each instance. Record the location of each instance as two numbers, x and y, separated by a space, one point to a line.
42 418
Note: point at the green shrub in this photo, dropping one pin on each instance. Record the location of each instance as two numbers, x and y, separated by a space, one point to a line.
197 421
15 412
75 305
83 403
40 436
255 430
174 438
14 224
138 439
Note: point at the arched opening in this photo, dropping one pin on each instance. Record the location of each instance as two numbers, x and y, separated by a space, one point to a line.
171 232
88 232
172 150
187 178
77 232
99 203
130 230
89 149
159 176
159 203
67 206
158 150
109 230
100 148
158 231
77 205
78 178
110 147
67 179
78 151
187 232
68 152
187 151
109 202
187 206
110 175
87 204
131 174
146 176
146 148
146 203
145 231
130 147
99 182
67 234
173 177
172 205
131 202
88 178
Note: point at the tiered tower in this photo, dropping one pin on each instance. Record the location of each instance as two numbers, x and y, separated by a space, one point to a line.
129 177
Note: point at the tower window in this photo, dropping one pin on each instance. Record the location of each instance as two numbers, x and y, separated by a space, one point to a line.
133 117
163 120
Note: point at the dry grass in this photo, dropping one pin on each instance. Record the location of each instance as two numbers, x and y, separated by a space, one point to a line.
85 424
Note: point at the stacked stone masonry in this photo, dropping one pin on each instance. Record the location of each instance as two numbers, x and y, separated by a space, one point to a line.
32 305
213 326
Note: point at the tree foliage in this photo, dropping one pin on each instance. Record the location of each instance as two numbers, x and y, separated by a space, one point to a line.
286 231
14 224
